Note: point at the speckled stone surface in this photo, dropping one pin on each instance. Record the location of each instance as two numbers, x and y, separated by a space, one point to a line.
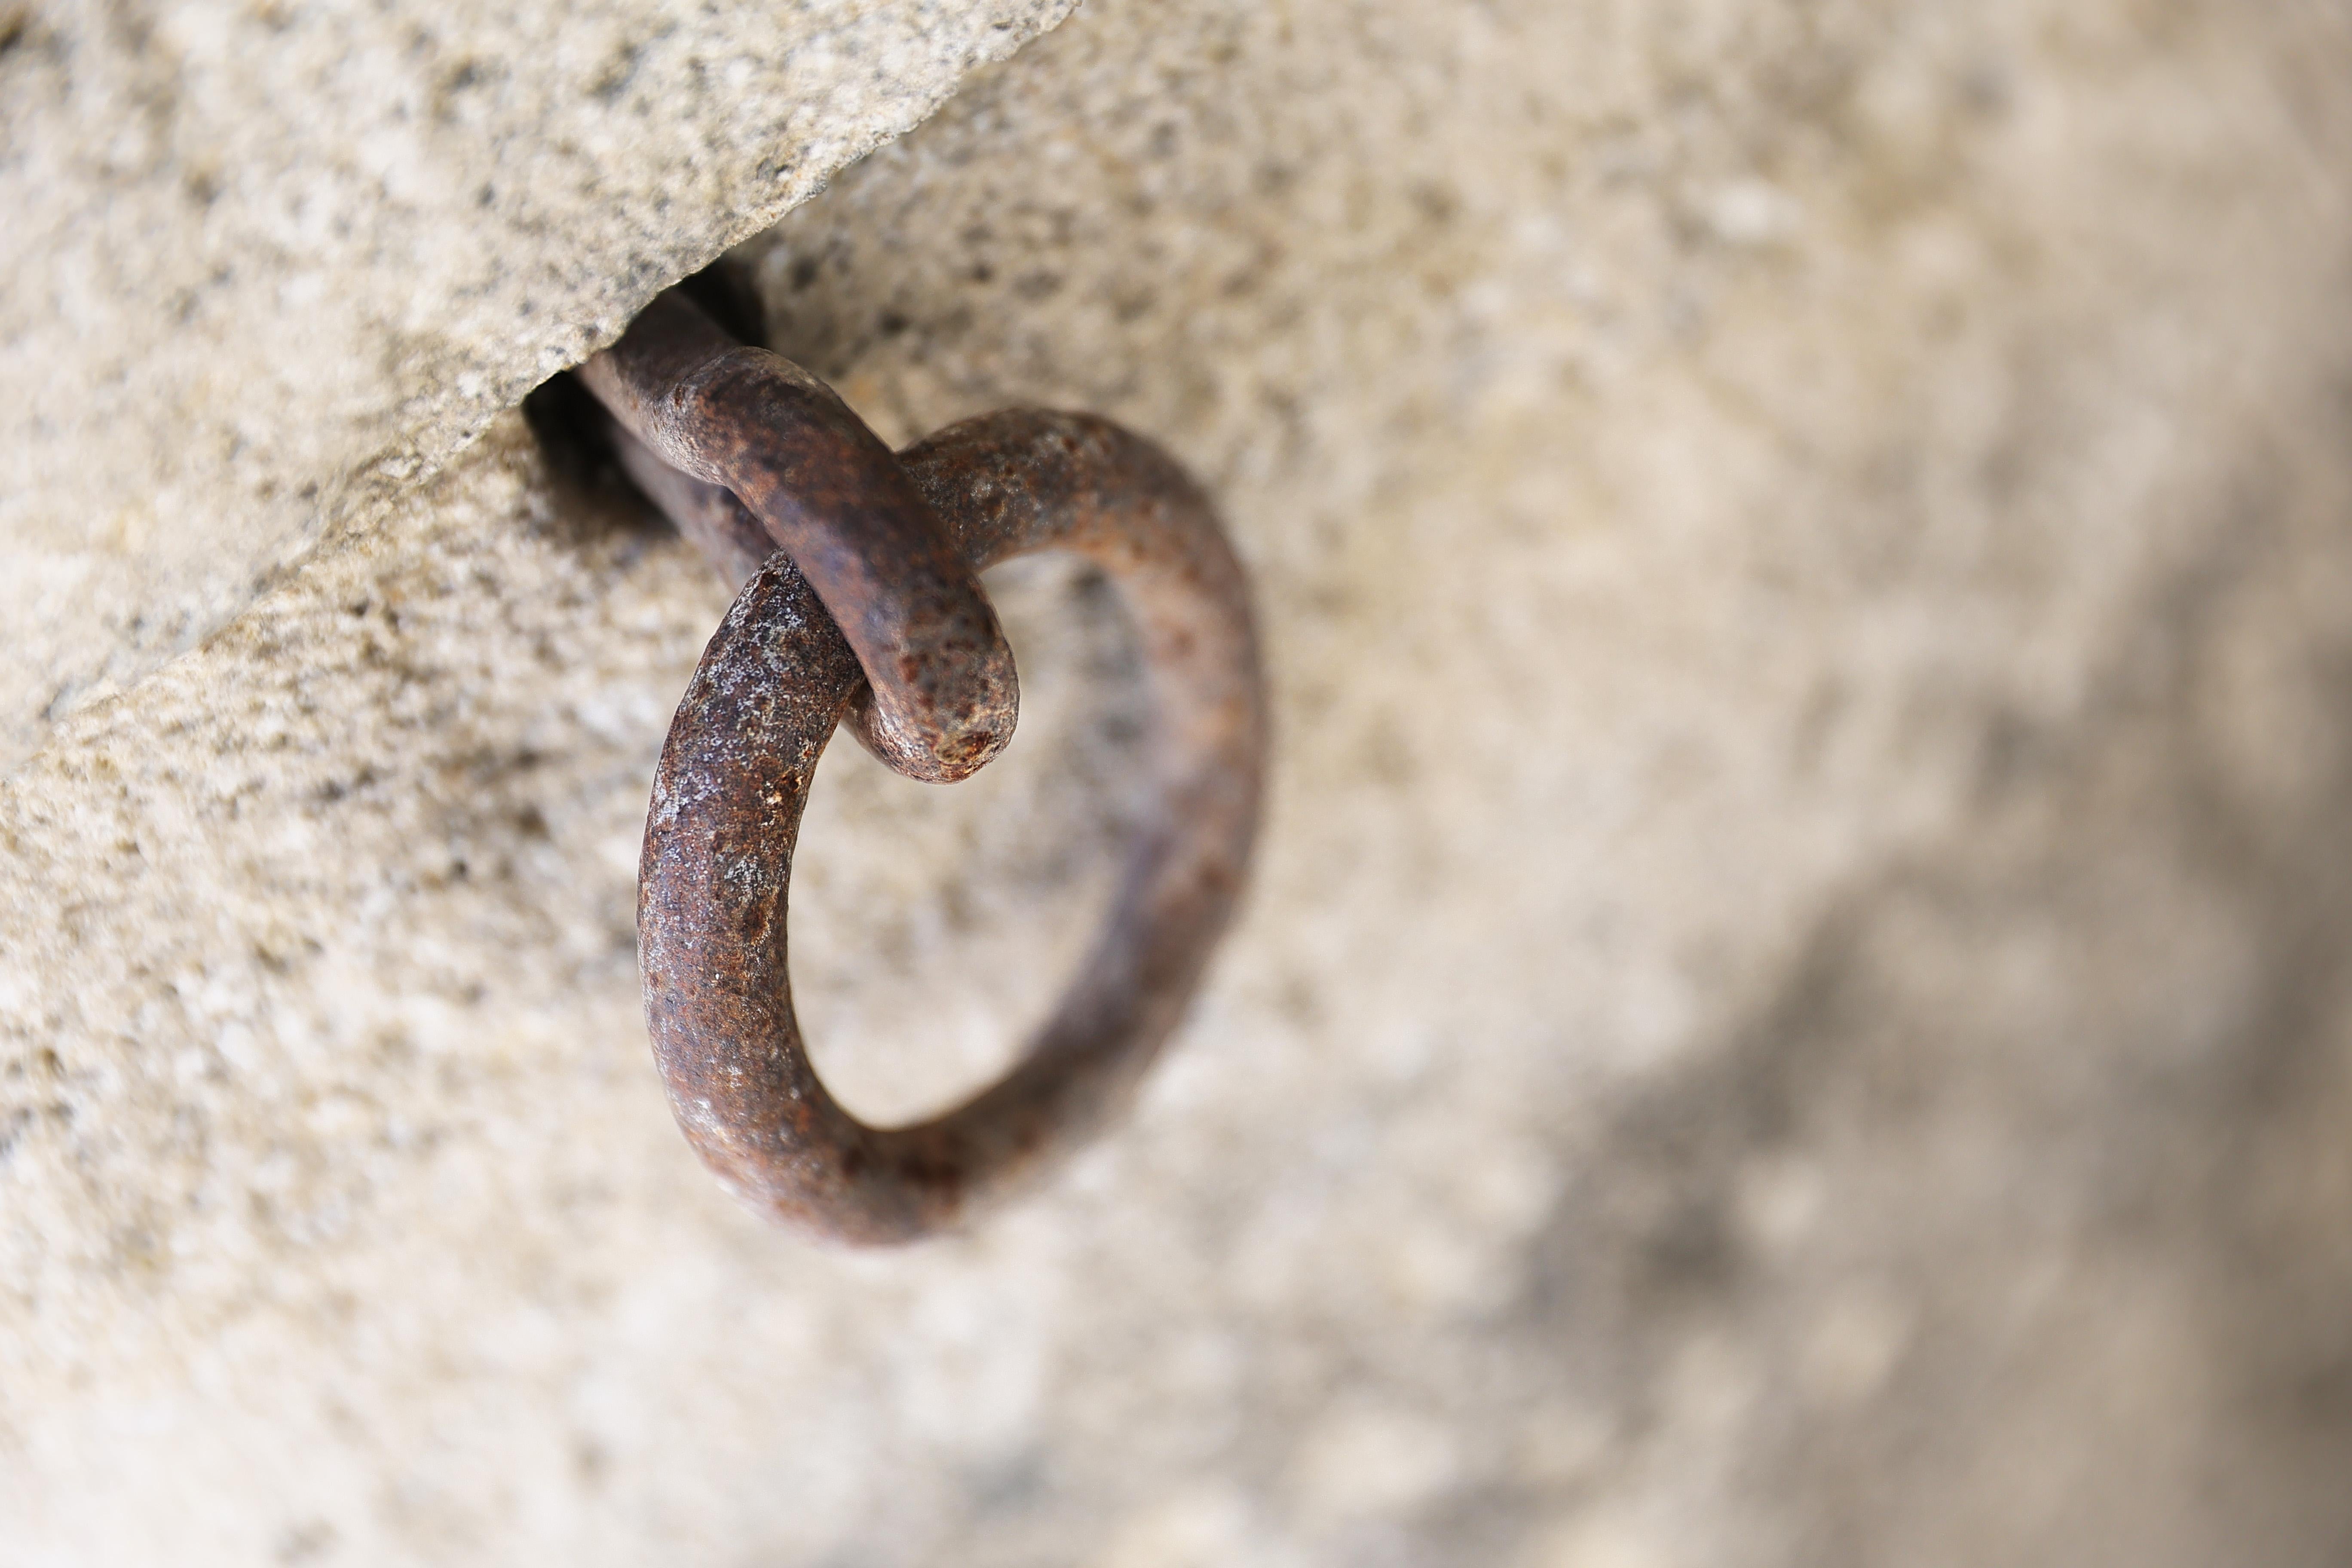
271 264
1793 1010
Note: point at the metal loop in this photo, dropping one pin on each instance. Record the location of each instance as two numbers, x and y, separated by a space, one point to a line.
754 426
735 774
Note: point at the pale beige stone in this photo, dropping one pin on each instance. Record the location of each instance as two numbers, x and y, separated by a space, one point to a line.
271 264
1792 1011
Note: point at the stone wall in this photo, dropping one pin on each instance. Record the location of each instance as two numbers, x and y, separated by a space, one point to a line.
1791 1011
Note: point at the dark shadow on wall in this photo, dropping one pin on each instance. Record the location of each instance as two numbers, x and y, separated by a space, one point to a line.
2017 1219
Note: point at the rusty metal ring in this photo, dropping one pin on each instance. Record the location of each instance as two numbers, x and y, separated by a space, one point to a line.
944 697
735 773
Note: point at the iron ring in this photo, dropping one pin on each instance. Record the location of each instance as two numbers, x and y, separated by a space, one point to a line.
734 778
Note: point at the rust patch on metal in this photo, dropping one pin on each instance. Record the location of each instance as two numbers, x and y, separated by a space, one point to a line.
830 494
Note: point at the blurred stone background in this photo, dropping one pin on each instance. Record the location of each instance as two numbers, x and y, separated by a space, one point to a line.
1791 1011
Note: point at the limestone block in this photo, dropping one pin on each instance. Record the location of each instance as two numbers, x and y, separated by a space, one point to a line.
268 265
1792 1011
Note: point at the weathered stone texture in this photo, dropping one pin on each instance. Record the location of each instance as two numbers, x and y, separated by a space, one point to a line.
268 265
1792 1011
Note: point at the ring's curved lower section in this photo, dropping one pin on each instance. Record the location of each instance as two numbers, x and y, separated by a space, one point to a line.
735 774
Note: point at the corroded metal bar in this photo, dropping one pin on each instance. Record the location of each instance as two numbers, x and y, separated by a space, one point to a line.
830 493
733 540
734 778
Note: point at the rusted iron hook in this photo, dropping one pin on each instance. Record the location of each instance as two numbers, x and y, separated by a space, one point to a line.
828 493
859 571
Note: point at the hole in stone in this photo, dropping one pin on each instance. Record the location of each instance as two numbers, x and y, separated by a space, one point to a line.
570 426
